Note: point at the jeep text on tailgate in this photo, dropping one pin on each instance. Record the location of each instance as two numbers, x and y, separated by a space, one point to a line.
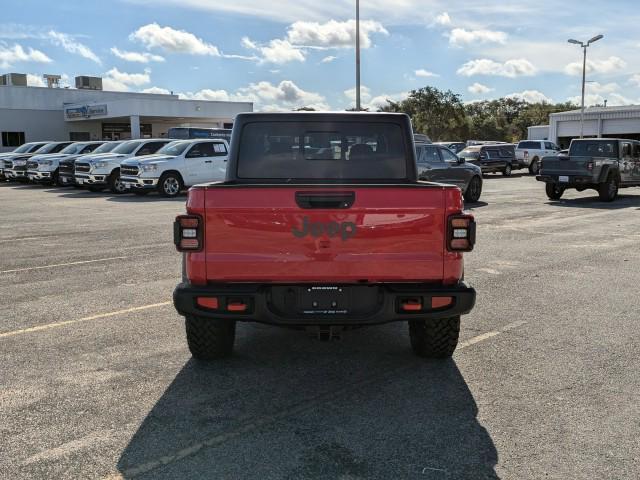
321 223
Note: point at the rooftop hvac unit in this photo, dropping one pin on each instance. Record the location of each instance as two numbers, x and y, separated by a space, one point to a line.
17 79
53 81
89 83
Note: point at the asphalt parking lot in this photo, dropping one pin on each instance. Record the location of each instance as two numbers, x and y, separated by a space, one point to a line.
97 381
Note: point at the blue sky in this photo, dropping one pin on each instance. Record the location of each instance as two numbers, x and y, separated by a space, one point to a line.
285 54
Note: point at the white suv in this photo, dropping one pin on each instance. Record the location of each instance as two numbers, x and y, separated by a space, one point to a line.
530 152
180 164
98 172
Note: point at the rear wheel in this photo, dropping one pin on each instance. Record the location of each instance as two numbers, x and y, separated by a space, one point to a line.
170 185
507 170
434 338
534 167
474 190
115 184
554 192
210 339
608 190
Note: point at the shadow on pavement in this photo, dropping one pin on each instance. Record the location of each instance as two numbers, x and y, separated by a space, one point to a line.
623 201
487 176
471 206
290 407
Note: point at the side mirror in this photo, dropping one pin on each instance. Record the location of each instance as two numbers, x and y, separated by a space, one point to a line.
461 160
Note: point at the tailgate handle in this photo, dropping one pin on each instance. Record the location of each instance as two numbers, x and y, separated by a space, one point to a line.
325 200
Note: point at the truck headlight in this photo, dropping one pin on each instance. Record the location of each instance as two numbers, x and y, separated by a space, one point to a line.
100 164
19 163
149 168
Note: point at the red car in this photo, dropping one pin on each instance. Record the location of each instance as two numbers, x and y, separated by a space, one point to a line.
322 223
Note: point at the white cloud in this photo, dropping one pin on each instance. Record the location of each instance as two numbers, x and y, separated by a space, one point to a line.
531 96
511 68
479 89
371 102
11 55
266 96
173 41
72 46
115 80
443 19
35 80
365 93
333 34
276 51
460 36
328 59
635 80
425 73
591 99
596 87
138 57
157 91
610 65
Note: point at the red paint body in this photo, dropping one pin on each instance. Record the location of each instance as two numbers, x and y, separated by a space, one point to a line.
400 236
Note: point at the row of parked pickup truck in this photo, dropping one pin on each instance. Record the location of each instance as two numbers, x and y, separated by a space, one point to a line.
137 166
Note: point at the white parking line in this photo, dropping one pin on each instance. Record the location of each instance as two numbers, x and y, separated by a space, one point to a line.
49 326
62 264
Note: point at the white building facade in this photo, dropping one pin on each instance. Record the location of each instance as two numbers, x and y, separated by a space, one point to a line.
37 114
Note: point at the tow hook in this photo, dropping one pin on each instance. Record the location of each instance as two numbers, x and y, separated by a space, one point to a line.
325 333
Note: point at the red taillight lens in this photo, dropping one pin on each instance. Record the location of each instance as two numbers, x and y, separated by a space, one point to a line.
461 234
440 302
208 302
187 233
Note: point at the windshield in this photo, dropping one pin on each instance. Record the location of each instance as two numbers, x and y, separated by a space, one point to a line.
320 150
470 152
24 148
126 148
50 148
174 148
594 148
106 147
73 148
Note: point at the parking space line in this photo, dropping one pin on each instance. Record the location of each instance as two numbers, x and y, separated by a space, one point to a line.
262 421
49 326
15 270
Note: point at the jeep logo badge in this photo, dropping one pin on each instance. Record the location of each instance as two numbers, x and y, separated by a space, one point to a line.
345 230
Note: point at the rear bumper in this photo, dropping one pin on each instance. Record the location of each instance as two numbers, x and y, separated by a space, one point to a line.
261 304
573 180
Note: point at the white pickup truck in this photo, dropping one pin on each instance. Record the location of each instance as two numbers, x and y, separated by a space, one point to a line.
45 168
530 152
98 172
180 164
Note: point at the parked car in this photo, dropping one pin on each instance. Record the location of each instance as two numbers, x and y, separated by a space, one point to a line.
98 172
491 158
343 240
530 152
66 169
18 165
45 168
601 164
437 163
455 147
179 164
24 150
421 137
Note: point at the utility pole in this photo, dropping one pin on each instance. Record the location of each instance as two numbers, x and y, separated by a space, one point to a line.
358 104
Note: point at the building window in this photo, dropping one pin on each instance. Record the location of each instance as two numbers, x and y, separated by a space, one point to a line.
79 136
12 139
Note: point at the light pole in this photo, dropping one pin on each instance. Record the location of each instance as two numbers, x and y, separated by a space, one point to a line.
358 105
584 74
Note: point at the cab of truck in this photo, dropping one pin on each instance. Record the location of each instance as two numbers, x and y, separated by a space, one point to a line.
322 223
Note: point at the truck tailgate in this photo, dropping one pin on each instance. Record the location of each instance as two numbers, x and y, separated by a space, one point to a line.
270 234
566 165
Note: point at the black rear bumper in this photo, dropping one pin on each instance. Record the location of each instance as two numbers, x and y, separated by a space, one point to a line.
574 180
368 304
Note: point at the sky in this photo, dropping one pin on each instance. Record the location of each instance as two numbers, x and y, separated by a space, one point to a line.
286 54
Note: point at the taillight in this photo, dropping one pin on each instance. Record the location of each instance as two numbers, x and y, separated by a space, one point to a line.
590 166
187 233
461 234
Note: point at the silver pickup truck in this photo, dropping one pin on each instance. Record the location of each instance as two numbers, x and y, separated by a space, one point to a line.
602 164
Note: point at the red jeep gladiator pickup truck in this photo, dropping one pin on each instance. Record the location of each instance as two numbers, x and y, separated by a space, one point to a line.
321 222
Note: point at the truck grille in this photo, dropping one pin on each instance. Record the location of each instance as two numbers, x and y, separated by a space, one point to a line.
129 170
32 165
66 168
83 167
8 164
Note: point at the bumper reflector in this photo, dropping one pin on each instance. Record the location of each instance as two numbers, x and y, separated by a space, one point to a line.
208 302
439 302
411 305
236 307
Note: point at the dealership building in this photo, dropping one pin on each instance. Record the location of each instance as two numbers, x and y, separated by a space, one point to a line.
88 113
607 122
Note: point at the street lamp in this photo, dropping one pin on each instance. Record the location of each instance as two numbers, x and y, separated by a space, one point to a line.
358 105
584 74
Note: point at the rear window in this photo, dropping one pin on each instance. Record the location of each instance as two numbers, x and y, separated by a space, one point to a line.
531 145
470 152
594 148
322 150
